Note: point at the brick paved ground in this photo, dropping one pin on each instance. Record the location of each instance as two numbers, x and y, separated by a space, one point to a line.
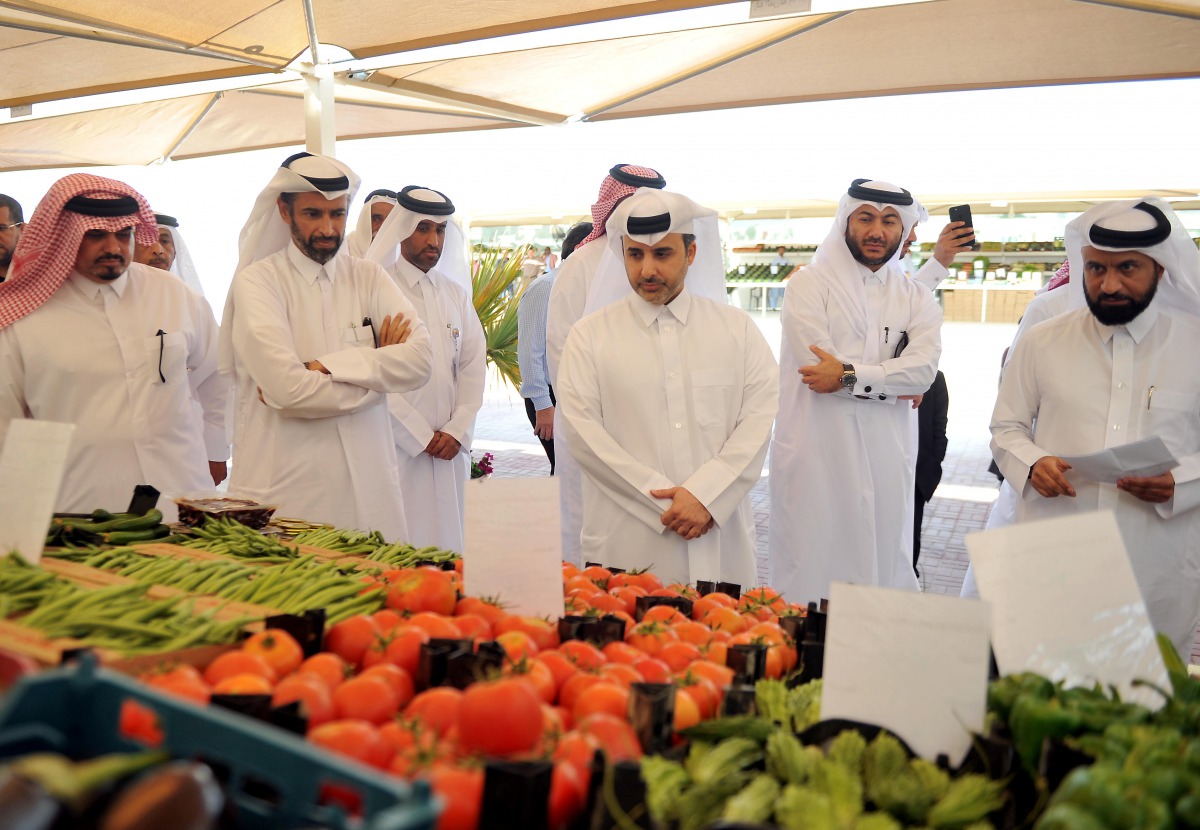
970 360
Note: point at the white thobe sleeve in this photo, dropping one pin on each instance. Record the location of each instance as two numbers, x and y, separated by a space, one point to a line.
619 474
911 373
396 368
567 301
931 274
209 386
1187 488
472 371
724 480
12 382
1016 409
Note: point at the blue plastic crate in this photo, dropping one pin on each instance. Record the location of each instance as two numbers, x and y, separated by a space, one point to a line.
272 778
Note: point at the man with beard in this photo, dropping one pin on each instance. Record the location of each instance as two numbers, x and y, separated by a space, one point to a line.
12 219
860 343
668 399
1117 369
315 341
374 212
128 357
424 249
169 253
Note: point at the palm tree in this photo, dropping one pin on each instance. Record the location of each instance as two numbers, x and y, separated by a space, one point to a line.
496 285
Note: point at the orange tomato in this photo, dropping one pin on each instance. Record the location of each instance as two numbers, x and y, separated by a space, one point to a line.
615 736
473 626
622 652
517 645
704 692
597 574
278 648
539 676
665 614
608 603
398 679
238 662
706 603
435 625
687 713
350 638
423 589
403 649
500 717
583 654
243 684
315 698
435 708
678 655
355 739
628 595
720 674
368 698
650 637
387 619
490 609
603 697
653 670
543 633
724 619
327 666
561 667
622 674
574 687
569 570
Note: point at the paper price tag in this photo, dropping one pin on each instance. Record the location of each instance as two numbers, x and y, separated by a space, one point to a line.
32 463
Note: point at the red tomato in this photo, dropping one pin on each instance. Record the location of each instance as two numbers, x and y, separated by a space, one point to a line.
569 570
238 662
278 648
473 626
366 698
698 634
184 686
607 697
435 625
678 655
724 619
653 670
387 619
490 609
608 603
461 791
396 677
355 739
576 748
517 645
500 717
139 723
666 614
704 692
244 684
539 676
422 589
316 700
621 652
574 686
568 796
350 638
561 667
404 648
583 654
650 637
720 674
706 603
436 708
615 736
680 590
628 595
687 713
622 674
597 574
543 633
333 670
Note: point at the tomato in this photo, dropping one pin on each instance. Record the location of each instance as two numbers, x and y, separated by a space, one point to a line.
581 584
355 739
720 674
575 606
436 709
622 674
404 648
583 654
238 662
400 681
539 676
650 637
706 603
653 670
769 631
473 626
687 713
628 595
574 686
243 684
561 667
678 655
517 645
422 589
331 669
597 574
415 748
543 633
724 619
717 652
576 748
704 692
435 625
605 696
615 736
278 648
366 698
387 619
608 603
490 609
569 570
139 723
621 652
568 796
680 590
500 717
461 791
350 638
666 614
188 688
314 696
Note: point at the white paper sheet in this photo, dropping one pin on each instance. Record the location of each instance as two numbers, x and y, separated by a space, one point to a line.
1148 457
1067 605
32 463
916 664
513 547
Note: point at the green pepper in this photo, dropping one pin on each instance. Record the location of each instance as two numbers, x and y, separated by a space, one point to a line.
1033 721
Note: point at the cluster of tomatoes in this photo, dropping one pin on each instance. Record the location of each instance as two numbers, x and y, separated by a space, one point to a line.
552 700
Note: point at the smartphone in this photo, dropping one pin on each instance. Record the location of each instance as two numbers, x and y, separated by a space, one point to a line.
962 213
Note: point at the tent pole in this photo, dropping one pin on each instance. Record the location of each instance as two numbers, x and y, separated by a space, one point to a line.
319 129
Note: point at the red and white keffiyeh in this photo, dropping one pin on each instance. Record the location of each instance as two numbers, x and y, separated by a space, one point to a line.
45 255
1061 277
611 193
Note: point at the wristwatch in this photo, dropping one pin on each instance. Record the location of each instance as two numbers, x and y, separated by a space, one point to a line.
849 378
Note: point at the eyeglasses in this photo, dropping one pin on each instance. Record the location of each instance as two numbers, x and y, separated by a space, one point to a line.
7 228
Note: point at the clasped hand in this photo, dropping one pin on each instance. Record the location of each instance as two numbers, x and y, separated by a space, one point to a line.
686 516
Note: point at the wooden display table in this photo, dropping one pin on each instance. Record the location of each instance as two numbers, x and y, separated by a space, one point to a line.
984 302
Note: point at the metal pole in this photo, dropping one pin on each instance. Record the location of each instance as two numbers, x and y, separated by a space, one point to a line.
319 128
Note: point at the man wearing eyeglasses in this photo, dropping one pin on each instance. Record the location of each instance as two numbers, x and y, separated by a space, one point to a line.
11 222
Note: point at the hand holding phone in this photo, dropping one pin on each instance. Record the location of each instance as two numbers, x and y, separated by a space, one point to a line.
962 213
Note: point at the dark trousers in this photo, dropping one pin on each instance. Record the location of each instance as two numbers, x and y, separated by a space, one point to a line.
548 446
918 515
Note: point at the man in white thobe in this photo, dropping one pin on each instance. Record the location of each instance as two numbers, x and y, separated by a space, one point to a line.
1119 370
433 426
568 301
170 253
315 341
116 348
375 210
668 399
860 344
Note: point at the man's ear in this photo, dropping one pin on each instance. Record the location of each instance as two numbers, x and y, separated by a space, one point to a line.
285 212
691 252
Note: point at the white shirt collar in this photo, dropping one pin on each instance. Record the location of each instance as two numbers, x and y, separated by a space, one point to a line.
866 273
677 308
309 269
410 273
1138 328
91 289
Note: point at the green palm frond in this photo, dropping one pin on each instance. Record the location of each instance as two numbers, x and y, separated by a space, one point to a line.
496 306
